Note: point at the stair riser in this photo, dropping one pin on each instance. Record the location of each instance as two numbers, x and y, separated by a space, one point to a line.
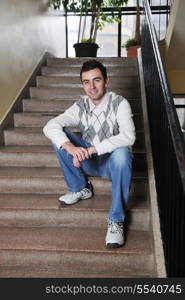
74 82
98 264
107 61
75 93
49 202
57 185
75 71
30 139
59 106
8 159
138 220
29 272
31 120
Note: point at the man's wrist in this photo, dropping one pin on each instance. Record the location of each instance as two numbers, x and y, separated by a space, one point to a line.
92 150
66 145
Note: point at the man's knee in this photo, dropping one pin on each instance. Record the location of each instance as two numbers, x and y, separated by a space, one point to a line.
59 151
55 148
121 157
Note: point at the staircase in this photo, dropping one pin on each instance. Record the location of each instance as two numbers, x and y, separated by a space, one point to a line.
39 239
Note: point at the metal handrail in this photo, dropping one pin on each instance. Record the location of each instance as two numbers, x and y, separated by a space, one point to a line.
168 149
177 136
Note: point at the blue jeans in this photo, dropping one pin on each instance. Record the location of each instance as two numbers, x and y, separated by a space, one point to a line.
115 166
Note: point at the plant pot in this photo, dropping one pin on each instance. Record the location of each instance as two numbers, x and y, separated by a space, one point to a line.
86 49
132 51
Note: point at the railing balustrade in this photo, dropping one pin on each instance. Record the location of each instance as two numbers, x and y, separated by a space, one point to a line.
168 150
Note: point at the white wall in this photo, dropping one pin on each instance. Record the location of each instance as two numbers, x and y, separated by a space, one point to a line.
28 28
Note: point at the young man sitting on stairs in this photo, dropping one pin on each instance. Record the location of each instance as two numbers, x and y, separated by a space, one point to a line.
108 132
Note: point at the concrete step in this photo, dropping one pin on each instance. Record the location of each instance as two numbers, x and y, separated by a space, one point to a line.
78 61
49 180
45 172
29 210
12 156
119 71
35 137
58 250
57 106
50 202
40 119
69 93
26 137
43 271
74 82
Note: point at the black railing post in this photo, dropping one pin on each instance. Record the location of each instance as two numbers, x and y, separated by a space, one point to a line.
119 37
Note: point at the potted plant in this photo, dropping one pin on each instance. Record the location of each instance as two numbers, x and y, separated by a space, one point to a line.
133 44
87 46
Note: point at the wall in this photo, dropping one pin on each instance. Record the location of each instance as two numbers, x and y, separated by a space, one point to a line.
174 48
28 29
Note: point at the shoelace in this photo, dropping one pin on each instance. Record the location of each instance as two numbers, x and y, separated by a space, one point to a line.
84 191
115 227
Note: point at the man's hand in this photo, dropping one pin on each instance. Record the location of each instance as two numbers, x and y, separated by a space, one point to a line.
76 162
79 153
91 150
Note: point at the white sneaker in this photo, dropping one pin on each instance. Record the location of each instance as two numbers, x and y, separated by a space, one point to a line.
115 235
73 197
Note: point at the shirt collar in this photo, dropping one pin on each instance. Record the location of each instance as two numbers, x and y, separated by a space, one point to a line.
102 105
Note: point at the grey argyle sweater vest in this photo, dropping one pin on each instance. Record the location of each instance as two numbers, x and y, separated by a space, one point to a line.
96 128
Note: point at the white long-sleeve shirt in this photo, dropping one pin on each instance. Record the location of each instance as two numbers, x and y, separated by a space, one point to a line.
107 126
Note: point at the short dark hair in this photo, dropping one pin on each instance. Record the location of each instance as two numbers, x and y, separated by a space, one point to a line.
93 64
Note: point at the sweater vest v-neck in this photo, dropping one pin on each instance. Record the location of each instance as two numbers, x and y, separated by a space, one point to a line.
97 127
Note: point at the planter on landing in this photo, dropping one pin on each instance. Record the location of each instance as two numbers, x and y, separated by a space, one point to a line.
132 51
86 49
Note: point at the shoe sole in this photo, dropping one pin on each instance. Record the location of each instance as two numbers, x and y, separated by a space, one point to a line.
63 203
114 245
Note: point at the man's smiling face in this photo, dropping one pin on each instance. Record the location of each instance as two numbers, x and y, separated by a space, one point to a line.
94 85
